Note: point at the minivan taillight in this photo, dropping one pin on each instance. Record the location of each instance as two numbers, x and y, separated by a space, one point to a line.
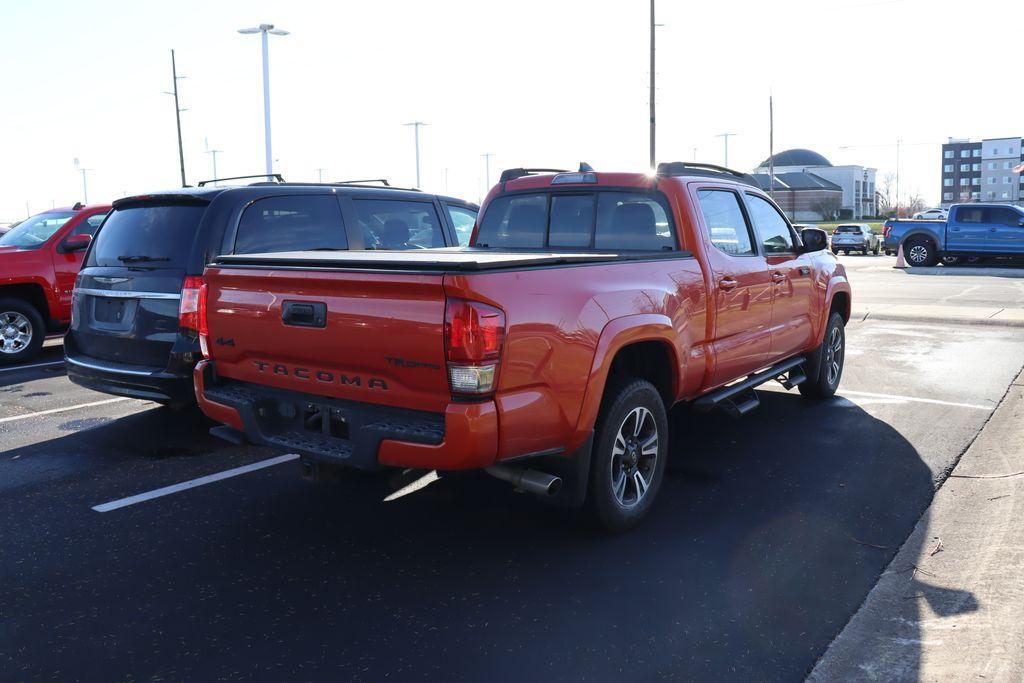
474 334
188 311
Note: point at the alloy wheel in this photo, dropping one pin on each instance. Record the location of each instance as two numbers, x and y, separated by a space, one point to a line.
918 253
834 356
634 457
15 332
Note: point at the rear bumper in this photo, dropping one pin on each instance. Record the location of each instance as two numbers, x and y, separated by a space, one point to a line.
350 433
160 386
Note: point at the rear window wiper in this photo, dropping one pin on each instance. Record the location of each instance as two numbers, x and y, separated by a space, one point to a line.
141 258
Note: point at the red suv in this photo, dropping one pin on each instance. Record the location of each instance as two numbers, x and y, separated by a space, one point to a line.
39 260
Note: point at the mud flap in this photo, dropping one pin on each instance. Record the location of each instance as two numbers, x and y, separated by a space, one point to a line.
575 473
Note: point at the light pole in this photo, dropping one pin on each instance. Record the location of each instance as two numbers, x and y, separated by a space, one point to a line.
487 171
177 116
263 30
85 185
416 125
320 174
213 154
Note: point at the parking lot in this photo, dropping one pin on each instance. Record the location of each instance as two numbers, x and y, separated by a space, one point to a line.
768 535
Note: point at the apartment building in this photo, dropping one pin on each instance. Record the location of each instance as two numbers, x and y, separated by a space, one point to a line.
982 171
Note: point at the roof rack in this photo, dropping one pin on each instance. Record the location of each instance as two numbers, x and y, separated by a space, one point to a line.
276 176
365 181
678 168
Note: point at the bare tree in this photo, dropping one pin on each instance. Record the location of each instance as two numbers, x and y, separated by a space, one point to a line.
914 204
826 206
883 195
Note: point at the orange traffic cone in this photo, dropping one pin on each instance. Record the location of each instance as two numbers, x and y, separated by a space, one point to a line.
900 261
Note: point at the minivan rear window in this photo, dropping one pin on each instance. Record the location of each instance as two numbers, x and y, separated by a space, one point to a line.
291 223
147 237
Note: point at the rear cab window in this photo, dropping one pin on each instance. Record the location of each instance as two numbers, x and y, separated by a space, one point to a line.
148 236
291 223
399 224
610 220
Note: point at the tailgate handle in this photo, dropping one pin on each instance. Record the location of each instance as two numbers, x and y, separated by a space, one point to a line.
304 313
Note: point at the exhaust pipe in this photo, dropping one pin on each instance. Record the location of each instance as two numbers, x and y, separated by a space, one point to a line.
531 481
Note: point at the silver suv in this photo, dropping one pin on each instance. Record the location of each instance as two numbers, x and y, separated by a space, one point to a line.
855 237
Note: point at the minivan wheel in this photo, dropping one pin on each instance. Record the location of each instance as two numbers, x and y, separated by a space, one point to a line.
21 331
629 453
826 362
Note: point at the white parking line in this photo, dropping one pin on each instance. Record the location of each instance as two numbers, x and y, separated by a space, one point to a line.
34 365
897 397
51 411
185 485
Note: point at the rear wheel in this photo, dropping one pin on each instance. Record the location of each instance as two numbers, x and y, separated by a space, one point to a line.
877 249
629 453
826 362
21 331
920 252
950 260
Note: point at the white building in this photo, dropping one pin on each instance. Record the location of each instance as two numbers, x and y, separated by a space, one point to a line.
857 182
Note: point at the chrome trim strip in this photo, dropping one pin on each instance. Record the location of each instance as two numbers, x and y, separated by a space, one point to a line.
105 368
127 295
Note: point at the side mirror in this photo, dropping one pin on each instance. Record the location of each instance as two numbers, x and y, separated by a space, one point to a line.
815 239
75 243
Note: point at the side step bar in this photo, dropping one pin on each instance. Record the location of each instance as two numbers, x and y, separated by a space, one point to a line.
740 398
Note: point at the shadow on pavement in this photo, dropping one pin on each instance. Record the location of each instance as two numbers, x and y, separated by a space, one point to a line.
763 543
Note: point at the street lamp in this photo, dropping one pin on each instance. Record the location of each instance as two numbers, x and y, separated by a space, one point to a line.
263 30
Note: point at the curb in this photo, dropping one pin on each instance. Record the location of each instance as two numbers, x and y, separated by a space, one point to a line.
864 316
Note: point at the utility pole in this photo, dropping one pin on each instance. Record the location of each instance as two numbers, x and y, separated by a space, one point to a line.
487 171
695 154
320 174
85 185
771 148
416 125
264 30
899 141
213 153
177 117
651 97
725 137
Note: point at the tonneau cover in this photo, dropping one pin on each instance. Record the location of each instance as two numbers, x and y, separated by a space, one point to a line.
454 259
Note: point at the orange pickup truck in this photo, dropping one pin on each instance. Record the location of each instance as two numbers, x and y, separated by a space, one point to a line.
548 352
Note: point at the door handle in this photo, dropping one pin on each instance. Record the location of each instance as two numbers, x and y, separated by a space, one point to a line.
778 277
727 283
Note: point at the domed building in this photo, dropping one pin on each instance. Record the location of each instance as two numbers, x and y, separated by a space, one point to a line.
808 187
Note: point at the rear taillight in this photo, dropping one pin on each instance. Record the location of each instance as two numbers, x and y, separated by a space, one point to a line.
836 231
473 334
203 328
188 311
885 231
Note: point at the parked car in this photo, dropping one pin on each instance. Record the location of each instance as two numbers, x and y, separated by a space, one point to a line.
135 333
932 215
548 353
6 227
39 259
855 237
973 232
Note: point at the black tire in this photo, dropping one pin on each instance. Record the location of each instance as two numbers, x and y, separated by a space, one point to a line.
920 251
950 260
618 508
18 318
877 249
824 367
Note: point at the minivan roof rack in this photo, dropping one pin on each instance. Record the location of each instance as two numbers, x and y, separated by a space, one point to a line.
363 181
678 168
276 176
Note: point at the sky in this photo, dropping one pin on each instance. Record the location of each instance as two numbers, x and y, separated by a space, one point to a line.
533 82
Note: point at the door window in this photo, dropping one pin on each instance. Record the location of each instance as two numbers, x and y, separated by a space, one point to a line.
771 227
89 225
727 228
463 219
398 224
291 223
1008 217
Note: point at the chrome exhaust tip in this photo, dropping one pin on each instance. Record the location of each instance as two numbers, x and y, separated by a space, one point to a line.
531 481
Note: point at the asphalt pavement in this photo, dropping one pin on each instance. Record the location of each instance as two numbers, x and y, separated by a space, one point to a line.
767 536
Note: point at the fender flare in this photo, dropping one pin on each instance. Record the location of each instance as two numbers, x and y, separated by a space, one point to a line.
920 232
616 335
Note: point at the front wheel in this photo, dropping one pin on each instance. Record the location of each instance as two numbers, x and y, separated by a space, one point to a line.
21 331
877 249
825 365
628 458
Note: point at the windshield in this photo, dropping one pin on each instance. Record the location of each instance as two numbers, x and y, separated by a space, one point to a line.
147 236
33 232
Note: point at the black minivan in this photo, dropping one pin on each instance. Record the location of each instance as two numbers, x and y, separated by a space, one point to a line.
134 312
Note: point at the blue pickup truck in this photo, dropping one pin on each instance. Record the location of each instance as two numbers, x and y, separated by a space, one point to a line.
973 232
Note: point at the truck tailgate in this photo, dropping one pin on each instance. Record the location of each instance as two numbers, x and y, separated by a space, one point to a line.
376 337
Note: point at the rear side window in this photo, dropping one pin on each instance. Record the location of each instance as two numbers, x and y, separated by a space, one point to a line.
147 236
291 223
630 221
397 224
727 228
463 219
515 222
770 226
